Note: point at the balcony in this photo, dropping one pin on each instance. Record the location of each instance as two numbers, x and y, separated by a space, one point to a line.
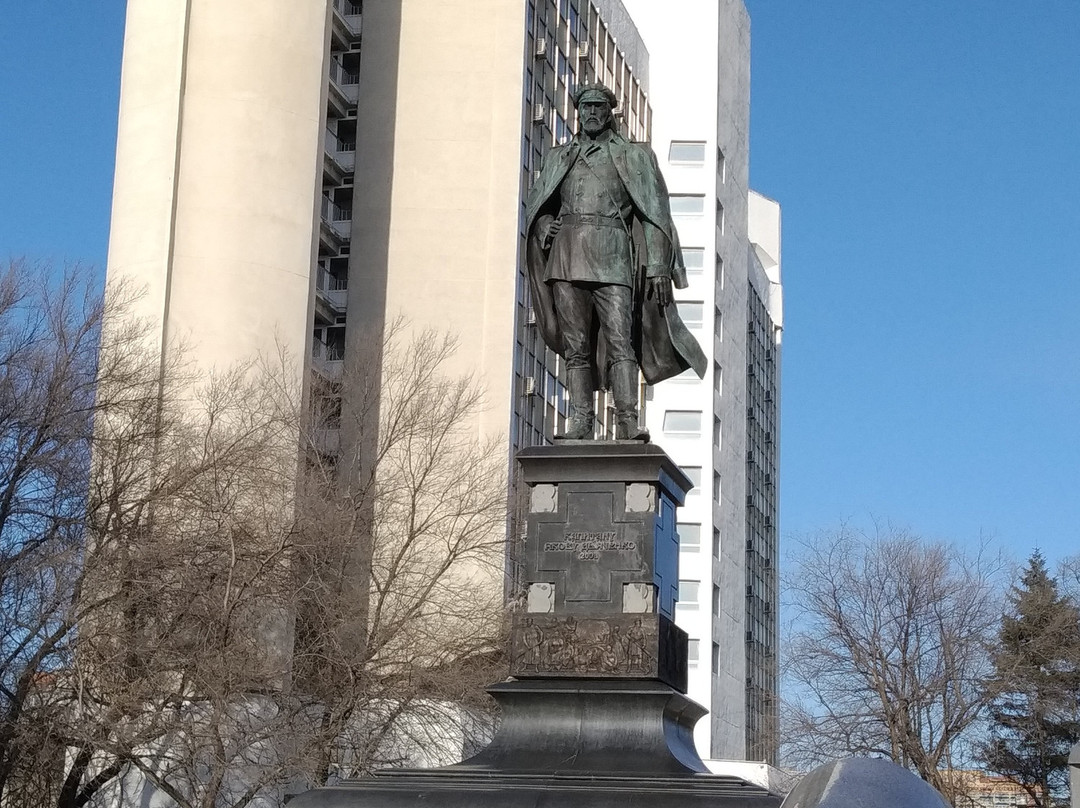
336 225
328 350
331 292
340 157
344 87
347 20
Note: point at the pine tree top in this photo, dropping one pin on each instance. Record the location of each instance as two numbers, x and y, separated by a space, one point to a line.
1042 633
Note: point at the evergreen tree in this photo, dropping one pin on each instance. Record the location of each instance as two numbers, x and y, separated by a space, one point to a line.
1035 712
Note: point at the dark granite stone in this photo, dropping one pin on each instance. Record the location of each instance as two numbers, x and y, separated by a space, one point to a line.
567 743
597 716
619 646
602 516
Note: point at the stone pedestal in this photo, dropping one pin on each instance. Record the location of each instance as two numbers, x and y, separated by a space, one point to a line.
567 743
596 714
601 564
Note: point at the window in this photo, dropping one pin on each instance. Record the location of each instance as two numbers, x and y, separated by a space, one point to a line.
721 165
687 204
687 151
717 379
717 435
688 594
687 422
692 651
719 218
694 473
715 657
689 537
716 533
716 489
718 325
719 271
688 375
694 260
715 600
692 313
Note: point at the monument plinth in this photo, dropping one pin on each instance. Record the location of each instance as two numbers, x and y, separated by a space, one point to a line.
600 564
596 713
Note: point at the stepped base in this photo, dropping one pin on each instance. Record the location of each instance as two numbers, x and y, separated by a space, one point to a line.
567 743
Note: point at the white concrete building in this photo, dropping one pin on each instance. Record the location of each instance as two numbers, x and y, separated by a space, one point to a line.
301 171
723 430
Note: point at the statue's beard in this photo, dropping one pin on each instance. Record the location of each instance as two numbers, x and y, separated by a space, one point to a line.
593 127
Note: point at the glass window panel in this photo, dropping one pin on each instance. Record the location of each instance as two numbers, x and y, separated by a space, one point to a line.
687 151
688 594
694 259
682 421
689 535
687 204
691 312
694 473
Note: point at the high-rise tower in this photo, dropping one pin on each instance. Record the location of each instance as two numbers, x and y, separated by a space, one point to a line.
299 172
723 429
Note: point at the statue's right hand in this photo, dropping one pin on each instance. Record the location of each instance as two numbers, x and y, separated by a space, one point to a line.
548 231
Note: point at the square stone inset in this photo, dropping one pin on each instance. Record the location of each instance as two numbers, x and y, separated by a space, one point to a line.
544 498
639 598
541 598
640 498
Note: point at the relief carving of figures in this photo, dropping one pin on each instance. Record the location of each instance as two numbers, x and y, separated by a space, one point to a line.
637 656
532 657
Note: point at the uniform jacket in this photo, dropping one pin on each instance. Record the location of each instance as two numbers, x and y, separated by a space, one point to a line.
663 345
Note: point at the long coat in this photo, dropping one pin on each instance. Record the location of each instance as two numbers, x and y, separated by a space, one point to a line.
662 343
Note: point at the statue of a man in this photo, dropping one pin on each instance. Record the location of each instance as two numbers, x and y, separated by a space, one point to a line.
603 255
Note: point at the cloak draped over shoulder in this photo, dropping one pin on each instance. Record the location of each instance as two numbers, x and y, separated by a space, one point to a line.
663 345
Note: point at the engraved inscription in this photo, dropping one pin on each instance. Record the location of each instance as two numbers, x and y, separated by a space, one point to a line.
587 545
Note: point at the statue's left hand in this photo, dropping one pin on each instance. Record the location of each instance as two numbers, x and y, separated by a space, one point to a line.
659 288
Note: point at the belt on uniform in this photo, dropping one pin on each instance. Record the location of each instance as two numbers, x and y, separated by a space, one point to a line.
594 219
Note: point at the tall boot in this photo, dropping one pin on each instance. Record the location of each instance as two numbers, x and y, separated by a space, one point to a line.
624 389
579 426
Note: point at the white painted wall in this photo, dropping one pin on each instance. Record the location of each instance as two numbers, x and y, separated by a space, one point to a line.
696 45
217 170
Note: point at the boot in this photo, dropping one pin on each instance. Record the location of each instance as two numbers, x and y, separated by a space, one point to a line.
624 389
579 426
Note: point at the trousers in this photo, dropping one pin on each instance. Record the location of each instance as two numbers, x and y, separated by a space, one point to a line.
577 304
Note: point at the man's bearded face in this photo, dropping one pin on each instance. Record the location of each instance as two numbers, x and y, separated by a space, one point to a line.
595 117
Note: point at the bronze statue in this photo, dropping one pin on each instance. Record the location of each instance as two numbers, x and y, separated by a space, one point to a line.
602 257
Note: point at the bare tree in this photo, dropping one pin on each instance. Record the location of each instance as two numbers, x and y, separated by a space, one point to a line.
402 623
369 577
1069 577
196 596
888 651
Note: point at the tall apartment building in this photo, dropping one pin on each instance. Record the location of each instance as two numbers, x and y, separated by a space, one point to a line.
300 172
723 429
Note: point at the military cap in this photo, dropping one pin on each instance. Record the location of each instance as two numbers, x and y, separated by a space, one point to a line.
595 92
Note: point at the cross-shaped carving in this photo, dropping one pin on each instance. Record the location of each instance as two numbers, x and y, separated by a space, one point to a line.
593 550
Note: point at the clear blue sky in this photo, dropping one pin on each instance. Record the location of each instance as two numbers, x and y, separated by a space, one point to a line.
927 157
59 85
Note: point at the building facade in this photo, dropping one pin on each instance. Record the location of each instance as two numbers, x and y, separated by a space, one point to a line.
307 173
723 430
976 789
